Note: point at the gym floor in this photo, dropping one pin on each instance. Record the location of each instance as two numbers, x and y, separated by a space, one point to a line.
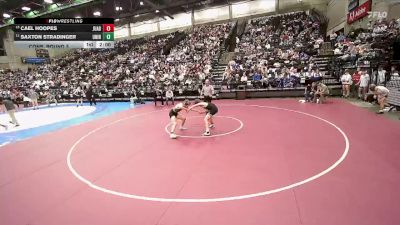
268 161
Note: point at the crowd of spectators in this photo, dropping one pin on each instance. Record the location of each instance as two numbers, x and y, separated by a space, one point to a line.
368 52
133 67
276 51
366 44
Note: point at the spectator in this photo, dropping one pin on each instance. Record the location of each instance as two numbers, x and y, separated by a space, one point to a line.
158 95
321 93
90 96
308 93
207 91
10 109
381 76
33 95
381 93
169 95
346 82
243 79
356 82
363 85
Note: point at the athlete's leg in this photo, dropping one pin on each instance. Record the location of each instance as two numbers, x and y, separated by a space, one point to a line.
207 124
211 122
381 101
183 119
173 124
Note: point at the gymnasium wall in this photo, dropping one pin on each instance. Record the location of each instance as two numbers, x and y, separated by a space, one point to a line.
336 13
209 15
295 5
338 9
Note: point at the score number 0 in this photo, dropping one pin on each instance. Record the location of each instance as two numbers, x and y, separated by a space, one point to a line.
108 27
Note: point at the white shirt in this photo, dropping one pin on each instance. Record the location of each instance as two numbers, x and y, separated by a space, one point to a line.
381 91
208 90
364 80
169 94
381 76
346 78
243 78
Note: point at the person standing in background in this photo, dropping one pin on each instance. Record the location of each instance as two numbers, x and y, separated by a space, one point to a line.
79 96
158 94
169 95
90 95
50 97
355 83
381 76
207 91
15 97
33 95
346 82
363 85
10 109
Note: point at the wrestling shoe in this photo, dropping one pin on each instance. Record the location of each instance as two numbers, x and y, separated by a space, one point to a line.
207 133
183 128
172 135
380 112
211 126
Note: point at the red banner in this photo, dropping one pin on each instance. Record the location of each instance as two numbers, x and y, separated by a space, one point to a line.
359 12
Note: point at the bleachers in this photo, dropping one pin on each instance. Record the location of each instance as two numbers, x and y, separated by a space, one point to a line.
394 96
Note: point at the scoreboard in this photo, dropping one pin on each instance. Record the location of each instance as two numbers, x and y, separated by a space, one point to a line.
64 33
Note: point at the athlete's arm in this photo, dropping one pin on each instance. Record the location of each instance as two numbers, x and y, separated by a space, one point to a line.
203 104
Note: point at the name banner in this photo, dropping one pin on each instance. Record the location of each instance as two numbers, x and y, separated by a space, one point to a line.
34 60
359 12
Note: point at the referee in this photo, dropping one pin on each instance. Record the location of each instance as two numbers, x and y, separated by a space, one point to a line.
207 91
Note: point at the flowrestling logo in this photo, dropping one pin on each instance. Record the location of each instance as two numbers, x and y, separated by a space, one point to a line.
359 12
377 15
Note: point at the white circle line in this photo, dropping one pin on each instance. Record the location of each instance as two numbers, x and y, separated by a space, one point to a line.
205 200
211 136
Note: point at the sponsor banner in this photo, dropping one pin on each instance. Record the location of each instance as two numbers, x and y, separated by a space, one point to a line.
34 60
359 12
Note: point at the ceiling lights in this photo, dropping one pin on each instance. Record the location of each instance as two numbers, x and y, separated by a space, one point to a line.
48 1
141 3
118 8
97 13
26 8
5 15
157 11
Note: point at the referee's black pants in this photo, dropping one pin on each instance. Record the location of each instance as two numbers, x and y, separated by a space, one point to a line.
207 98
161 98
92 100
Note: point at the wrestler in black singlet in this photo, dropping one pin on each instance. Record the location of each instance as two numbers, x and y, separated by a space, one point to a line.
174 111
212 108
